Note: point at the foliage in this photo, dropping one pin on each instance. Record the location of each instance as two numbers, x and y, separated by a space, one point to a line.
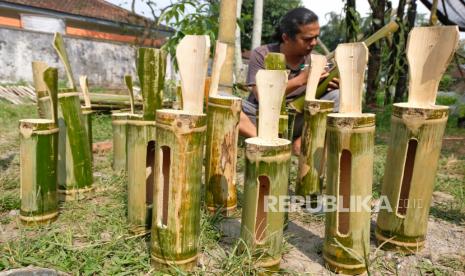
352 19
446 100
190 17
273 11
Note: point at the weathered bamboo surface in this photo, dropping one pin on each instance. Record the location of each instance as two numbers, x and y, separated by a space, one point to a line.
87 120
151 72
38 175
176 217
267 174
226 35
74 158
313 151
412 161
221 152
119 122
311 159
39 156
350 144
140 164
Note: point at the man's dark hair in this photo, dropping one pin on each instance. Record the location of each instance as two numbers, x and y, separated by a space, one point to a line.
291 21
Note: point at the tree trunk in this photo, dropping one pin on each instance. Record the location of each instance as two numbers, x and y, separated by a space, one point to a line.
350 143
267 174
313 148
226 34
178 175
412 161
221 154
257 24
374 63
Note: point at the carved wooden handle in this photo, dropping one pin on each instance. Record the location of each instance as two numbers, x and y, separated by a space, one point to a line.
351 59
192 56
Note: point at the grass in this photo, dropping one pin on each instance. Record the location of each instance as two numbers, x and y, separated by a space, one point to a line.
91 236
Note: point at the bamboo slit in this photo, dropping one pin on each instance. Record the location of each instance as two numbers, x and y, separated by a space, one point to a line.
344 192
150 166
166 157
402 204
260 220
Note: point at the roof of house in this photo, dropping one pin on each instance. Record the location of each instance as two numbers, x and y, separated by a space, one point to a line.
99 9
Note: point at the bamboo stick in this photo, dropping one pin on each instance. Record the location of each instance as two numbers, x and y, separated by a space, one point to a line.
311 158
222 136
38 158
151 71
42 96
387 30
267 174
277 61
180 138
350 144
417 128
60 48
119 122
87 110
227 35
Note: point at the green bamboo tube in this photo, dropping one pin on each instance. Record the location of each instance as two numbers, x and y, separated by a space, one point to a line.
221 154
412 161
151 71
38 174
140 165
119 122
74 159
313 148
350 144
267 174
176 217
87 119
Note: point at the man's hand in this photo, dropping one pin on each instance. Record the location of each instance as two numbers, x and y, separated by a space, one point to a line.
333 84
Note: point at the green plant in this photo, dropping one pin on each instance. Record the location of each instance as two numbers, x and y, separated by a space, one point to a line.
446 100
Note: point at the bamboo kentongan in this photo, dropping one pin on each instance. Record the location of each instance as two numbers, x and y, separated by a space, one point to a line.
415 144
75 163
311 159
221 152
176 217
141 166
39 156
350 144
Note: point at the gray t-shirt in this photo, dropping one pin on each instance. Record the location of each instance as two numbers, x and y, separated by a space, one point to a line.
257 62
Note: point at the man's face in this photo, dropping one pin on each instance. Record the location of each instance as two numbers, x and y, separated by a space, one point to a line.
305 40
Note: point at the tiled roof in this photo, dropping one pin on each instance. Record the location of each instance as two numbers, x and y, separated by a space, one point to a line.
99 9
